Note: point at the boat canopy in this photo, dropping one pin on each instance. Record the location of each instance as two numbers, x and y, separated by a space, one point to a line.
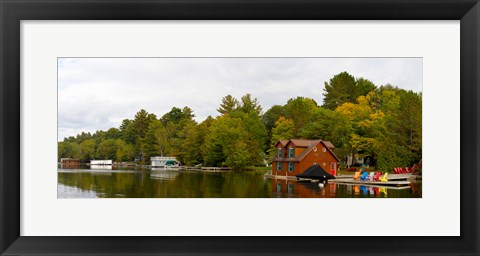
315 172
170 162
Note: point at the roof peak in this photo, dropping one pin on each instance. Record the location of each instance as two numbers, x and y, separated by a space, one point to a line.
306 143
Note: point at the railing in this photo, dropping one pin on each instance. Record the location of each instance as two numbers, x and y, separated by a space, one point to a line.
163 158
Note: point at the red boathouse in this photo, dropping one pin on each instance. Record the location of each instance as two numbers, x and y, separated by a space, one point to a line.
294 156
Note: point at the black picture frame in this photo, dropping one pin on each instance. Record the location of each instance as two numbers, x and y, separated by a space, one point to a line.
13 11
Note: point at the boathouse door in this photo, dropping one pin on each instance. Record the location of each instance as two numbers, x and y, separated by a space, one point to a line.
333 168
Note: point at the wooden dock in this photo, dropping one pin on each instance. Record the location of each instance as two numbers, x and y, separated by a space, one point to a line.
393 184
216 169
192 168
404 176
280 177
391 177
388 183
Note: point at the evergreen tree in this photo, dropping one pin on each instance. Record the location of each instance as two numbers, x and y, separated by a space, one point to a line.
363 86
229 103
250 105
340 89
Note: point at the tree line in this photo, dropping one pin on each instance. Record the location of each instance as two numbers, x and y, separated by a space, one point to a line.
383 123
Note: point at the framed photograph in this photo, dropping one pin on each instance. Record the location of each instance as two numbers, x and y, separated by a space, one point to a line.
219 129
239 127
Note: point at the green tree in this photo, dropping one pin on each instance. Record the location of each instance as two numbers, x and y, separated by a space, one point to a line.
141 122
192 147
176 131
301 110
67 149
283 130
340 89
271 116
235 140
344 88
124 151
239 157
366 126
99 136
126 131
107 149
139 128
364 86
174 116
229 103
82 137
321 125
113 133
248 104
87 150
154 145
410 115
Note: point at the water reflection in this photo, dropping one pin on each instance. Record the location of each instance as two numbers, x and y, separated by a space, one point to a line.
162 174
159 183
74 192
100 167
332 190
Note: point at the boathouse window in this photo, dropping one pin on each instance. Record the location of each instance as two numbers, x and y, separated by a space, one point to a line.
279 166
290 187
280 152
290 167
291 152
332 166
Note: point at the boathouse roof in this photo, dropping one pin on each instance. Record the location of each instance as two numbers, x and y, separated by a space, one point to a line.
309 145
328 144
283 142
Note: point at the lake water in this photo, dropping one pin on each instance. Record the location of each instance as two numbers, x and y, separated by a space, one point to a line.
84 182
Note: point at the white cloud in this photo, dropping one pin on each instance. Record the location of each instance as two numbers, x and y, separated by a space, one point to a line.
97 93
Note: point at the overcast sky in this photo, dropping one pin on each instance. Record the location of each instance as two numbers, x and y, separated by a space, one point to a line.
98 93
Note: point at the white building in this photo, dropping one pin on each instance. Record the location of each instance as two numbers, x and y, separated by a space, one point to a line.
162 161
101 162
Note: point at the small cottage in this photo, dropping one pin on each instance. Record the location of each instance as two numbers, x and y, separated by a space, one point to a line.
294 156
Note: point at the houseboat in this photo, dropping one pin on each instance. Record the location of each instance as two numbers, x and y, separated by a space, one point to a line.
164 161
69 162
